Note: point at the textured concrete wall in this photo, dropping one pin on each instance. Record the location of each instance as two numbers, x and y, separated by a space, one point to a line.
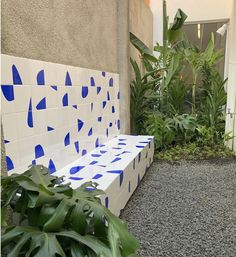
141 24
76 32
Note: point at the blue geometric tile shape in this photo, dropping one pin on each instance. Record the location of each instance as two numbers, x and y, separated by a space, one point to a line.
108 96
99 119
75 178
65 100
16 76
139 157
107 132
39 152
84 91
104 74
41 78
144 142
90 132
116 148
51 166
96 155
30 115
121 143
118 124
120 172
54 87
122 139
104 103
91 107
93 162
111 82
50 128
9 162
75 106
67 139
92 82
129 187
6 141
8 92
97 176
103 152
90 189
118 95
106 202
116 160
84 152
77 146
103 166
110 124
42 104
98 90
33 162
140 146
97 143
68 79
80 124
76 169
113 109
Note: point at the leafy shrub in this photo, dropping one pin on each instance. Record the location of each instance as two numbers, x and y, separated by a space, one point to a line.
60 221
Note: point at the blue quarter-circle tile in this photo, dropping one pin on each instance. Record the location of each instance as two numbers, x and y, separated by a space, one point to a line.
84 91
8 92
40 78
9 162
42 104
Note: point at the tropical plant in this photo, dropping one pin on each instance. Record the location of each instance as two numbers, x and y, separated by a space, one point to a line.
167 131
59 220
143 96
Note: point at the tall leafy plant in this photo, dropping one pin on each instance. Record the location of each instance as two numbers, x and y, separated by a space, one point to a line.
60 221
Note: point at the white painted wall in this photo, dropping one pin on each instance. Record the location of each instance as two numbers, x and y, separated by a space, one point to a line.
231 74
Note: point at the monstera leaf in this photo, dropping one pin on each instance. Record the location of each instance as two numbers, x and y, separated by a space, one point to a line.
60 221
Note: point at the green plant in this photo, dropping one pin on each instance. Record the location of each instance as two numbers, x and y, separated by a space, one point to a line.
144 97
178 129
60 221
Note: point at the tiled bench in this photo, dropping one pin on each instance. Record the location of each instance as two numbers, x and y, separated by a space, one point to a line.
117 166
67 119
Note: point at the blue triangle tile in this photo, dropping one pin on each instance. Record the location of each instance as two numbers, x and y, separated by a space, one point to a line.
98 90
76 169
67 139
30 115
54 87
92 82
80 125
68 79
8 92
9 162
50 128
42 104
51 166
90 132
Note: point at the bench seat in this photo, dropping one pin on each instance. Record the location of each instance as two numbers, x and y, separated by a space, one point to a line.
117 166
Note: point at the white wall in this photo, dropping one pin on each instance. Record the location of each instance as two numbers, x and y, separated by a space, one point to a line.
197 10
231 74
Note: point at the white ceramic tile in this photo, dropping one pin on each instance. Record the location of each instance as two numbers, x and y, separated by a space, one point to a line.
9 122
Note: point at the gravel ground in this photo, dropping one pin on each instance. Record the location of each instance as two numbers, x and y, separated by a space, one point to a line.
186 209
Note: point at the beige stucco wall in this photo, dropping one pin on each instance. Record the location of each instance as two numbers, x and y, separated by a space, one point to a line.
141 24
75 32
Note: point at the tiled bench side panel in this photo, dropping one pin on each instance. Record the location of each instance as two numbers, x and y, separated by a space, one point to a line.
53 114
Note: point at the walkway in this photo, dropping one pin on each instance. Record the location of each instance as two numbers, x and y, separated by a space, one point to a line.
185 210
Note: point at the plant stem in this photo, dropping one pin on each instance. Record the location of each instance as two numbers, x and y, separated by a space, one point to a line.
194 92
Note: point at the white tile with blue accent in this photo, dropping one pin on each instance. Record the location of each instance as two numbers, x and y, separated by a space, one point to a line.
67 118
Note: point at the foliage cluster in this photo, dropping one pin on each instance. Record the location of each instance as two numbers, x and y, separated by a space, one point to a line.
56 220
180 99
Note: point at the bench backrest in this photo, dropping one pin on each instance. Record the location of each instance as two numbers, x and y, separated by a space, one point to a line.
52 114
